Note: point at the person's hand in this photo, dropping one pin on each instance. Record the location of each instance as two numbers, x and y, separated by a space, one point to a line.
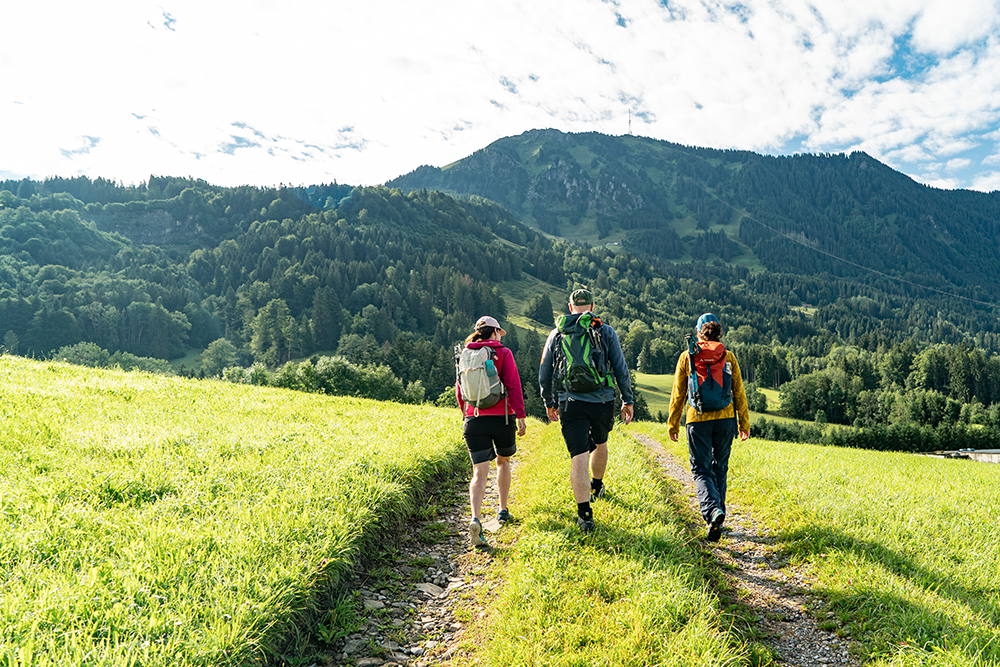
673 436
744 435
552 414
521 428
627 413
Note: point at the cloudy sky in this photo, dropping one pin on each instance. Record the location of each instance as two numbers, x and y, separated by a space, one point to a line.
265 92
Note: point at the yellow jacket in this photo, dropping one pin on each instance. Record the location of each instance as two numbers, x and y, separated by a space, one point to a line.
679 396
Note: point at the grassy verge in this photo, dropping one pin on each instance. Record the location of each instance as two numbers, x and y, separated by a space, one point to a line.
628 594
153 520
904 547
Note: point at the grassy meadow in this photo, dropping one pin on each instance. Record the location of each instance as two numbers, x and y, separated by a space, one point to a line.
631 593
152 520
149 520
905 548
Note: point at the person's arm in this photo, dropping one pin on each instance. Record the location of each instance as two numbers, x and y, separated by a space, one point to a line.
739 398
512 381
678 396
618 366
545 372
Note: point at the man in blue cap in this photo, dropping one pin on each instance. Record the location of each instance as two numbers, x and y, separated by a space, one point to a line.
717 410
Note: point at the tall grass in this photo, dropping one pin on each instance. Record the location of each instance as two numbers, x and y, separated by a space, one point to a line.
905 547
159 521
628 594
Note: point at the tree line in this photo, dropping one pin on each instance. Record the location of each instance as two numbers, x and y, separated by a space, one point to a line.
380 277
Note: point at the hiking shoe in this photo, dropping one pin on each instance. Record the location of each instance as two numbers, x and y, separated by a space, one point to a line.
476 535
599 493
715 527
586 526
503 516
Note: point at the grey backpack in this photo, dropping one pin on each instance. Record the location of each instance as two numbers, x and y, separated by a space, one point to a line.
478 377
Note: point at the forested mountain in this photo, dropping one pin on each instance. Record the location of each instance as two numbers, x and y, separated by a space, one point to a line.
395 276
681 203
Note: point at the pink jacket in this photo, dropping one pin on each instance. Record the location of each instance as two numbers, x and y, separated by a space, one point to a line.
504 360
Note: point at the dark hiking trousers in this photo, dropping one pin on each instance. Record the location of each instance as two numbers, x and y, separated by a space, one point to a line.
709 444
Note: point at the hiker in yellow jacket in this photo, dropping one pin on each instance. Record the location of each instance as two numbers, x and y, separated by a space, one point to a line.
714 416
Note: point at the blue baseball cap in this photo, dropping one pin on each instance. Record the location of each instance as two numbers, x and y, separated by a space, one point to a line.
704 319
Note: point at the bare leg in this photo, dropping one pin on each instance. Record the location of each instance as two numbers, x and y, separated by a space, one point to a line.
477 487
503 479
599 461
579 477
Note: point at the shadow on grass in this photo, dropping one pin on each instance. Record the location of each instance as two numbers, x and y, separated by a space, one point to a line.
873 612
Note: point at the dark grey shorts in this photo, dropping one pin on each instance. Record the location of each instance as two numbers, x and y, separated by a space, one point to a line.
586 425
488 437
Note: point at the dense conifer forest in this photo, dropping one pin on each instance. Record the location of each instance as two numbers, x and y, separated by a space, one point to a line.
273 282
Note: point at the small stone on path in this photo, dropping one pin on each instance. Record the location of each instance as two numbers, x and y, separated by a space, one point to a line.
430 589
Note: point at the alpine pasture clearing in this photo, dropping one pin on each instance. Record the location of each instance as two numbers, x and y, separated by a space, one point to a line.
905 548
160 521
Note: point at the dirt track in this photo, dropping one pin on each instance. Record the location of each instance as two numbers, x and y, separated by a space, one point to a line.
776 594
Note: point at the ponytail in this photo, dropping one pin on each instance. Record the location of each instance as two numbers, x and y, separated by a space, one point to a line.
482 333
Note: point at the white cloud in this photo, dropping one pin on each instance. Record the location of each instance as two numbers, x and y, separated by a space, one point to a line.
937 182
988 182
305 91
943 27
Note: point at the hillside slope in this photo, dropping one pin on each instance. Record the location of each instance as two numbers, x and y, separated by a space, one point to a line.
681 203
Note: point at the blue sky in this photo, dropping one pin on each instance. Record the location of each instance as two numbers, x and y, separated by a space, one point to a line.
262 92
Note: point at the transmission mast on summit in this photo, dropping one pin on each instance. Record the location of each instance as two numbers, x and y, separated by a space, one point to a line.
630 122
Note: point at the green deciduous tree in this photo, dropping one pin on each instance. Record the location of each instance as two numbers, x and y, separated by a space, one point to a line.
220 355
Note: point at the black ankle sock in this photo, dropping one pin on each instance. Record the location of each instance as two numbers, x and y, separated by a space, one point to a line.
584 512
596 484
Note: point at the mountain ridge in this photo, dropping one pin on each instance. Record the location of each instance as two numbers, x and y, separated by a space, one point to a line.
665 199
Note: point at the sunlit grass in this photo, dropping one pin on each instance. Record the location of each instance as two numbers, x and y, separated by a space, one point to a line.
159 521
905 547
656 390
628 594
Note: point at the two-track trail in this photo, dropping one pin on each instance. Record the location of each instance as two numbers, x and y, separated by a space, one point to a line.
417 614
775 593
417 605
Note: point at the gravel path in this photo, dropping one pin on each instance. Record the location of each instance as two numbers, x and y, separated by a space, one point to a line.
417 605
776 594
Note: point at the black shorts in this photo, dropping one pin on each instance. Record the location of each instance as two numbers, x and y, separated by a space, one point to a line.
488 436
586 425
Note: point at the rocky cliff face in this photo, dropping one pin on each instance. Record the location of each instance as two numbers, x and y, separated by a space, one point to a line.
157 228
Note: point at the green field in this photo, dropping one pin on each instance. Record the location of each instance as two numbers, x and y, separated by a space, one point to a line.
904 547
149 520
656 389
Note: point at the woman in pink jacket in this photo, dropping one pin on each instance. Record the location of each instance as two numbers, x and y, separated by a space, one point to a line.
489 432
